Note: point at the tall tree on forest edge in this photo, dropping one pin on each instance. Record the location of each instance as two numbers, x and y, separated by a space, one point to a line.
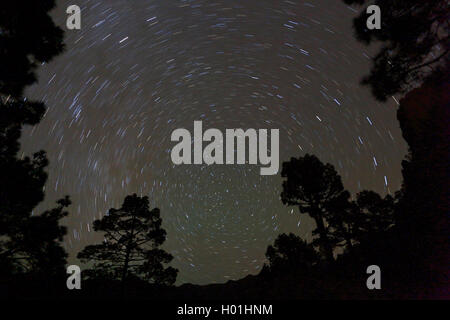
414 59
312 186
132 237
415 41
28 38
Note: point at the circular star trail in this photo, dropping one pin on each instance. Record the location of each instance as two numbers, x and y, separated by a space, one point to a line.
138 70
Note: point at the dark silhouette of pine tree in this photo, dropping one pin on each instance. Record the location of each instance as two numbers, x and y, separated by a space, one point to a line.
415 40
352 222
132 237
358 232
31 244
289 252
414 61
28 38
377 213
35 244
313 186
343 217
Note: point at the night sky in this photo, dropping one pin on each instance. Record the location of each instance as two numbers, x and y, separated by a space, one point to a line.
137 70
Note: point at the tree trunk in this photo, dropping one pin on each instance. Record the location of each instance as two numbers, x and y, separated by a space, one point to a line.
348 239
125 271
349 243
127 258
325 244
125 267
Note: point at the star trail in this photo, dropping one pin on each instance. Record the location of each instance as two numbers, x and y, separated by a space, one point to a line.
137 70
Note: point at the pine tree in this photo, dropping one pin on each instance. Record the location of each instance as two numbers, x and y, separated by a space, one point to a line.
132 237
313 186
290 252
414 43
31 244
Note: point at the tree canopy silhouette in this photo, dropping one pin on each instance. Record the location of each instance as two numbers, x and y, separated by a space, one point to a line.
377 213
414 60
415 39
291 252
355 231
317 190
132 237
28 37
313 187
33 245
